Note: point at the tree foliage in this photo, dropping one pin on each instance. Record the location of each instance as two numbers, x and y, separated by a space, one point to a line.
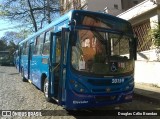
155 34
11 47
13 37
9 42
3 45
35 12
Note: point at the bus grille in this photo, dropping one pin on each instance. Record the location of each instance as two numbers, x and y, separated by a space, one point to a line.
104 90
101 82
105 98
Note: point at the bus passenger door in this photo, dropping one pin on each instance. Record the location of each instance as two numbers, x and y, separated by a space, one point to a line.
30 53
58 66
63 66
54 64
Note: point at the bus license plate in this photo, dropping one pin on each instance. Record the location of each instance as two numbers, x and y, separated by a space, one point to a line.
121 80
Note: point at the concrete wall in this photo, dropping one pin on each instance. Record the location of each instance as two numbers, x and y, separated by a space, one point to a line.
96 5
105 6
137 10
147 68
147 72
111 9
148 55
126 4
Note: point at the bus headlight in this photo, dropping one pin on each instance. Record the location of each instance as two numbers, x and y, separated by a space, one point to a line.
127 87
130 86
78 87
131 83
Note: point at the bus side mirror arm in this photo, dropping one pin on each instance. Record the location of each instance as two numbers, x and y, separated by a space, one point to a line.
73 38
135 43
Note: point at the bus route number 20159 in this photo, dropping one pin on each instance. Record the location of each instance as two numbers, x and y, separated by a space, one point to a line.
121 80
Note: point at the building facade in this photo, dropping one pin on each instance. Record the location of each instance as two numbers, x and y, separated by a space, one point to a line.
91 5
113 7
126 4
144 17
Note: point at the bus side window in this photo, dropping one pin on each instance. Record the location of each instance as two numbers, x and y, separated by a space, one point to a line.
24 48
39 44
27 48
58 49
46 46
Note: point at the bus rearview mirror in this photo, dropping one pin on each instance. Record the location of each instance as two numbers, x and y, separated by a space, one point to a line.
135 40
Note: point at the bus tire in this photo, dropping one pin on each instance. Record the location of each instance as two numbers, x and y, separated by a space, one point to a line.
45 89
43 77
22 74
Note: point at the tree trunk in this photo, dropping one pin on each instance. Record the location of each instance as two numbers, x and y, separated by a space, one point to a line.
32 16
48 11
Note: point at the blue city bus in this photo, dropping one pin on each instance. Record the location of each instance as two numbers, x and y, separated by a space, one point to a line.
81 60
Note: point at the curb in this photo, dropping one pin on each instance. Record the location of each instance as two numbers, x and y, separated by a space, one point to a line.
146 98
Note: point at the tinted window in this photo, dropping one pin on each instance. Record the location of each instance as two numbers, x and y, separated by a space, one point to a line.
39 44
46 46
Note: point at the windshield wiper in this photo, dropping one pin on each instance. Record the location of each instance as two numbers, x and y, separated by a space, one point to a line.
118 40
99 37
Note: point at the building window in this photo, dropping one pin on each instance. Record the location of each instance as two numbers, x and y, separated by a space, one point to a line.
115 6
135 2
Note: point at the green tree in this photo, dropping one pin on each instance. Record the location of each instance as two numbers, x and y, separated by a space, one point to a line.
3 45
16 37
35 12
12 47
9 42
155 36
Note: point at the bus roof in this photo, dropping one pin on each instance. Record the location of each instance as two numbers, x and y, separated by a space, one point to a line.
68 16
50 26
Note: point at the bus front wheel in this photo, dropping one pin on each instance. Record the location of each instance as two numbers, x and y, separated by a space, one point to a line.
45 89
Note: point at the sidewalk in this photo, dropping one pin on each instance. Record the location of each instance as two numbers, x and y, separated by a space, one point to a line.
147 92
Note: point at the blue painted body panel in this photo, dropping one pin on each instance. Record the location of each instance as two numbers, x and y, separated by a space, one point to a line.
96 94
37 69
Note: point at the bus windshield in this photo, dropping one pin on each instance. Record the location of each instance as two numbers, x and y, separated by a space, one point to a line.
102 53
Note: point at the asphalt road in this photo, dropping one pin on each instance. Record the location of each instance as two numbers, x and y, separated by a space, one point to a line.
23 96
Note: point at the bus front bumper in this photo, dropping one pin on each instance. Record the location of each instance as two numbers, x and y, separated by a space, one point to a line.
80 101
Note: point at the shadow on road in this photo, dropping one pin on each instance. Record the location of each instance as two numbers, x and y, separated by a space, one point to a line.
14 74
147 95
